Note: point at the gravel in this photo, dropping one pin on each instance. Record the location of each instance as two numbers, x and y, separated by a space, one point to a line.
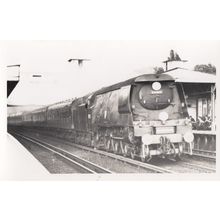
51 161
111 164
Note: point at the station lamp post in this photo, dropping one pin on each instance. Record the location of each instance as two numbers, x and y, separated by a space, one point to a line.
79 61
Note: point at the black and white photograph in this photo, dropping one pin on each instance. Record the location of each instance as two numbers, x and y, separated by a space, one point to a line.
109 109
97 109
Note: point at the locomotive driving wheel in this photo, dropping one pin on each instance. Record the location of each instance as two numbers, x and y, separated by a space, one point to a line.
107 143
125 149
145 153
115 146
97 141
132 153
178 156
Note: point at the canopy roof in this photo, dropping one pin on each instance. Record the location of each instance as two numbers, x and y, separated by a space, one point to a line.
189 76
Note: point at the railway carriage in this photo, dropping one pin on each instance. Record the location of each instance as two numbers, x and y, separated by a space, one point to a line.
81 110
39 117
27 118
15 119
59 115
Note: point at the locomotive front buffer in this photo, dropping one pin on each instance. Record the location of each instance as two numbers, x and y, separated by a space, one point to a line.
166 142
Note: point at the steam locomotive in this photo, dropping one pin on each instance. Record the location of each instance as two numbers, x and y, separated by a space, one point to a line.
143 117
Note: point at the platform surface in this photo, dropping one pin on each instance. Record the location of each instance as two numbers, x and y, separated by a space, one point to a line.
16 163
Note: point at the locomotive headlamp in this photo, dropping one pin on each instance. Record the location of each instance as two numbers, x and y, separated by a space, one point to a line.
156 86
147 139
163 116
188 137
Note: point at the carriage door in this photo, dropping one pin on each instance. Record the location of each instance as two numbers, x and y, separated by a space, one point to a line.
89 115
73 112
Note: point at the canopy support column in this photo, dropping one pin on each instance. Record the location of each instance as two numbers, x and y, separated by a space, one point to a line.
213 106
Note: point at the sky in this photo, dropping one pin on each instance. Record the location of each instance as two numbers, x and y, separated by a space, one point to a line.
110 62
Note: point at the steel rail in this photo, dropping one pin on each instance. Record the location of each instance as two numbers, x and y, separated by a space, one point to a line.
199 166
85 165
193 165
205 154
132 162
147 166
209 154
205 151
138 163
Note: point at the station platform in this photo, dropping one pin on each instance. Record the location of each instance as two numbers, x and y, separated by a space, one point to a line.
16 163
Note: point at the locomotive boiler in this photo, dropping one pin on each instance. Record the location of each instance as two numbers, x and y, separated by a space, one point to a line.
141 117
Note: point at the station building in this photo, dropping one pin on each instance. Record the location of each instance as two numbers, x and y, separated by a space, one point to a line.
200 94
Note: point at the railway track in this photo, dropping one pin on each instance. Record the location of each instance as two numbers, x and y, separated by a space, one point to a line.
183 165
83 165
149 167
204 153
198 166
158 169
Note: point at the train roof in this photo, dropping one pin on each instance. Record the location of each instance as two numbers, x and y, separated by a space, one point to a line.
17 114
39 110
60 104
138 79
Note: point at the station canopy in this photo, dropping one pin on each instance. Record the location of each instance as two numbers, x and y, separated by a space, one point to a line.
190 76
